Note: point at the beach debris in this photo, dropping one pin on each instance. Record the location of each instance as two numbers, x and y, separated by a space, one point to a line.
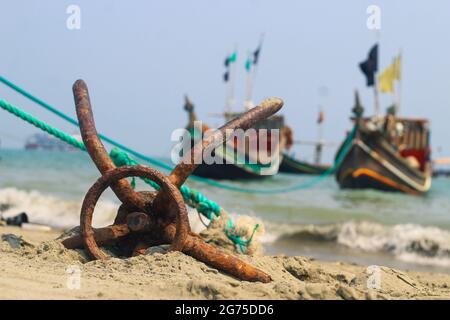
22 220
36 227
15 242
17 220
147 219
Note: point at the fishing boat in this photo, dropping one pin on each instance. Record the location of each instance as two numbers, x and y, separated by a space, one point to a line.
43 141
240 163
390 153
387 153
441 167
441 173
256 156
292 165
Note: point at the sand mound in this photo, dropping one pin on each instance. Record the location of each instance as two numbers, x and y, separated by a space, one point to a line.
40 271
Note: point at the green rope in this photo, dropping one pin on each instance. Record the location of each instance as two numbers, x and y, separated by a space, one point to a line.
205 206
237 240
121 157
192 197
195 199
160 164
42 125
73 121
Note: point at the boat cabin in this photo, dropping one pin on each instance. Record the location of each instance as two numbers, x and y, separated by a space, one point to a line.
409 136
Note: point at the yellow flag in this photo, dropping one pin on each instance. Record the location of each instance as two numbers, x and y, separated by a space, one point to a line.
386 79
397 67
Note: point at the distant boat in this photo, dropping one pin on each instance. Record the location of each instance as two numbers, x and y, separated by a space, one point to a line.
441 173
441 167
386 153
249 162
42 141
251 166
292 165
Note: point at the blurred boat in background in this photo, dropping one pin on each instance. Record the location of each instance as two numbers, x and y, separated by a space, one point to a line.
237 162
292 165
296 166
43 141
389 153
441 167
386 153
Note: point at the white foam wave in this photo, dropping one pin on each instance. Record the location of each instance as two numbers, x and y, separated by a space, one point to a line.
62 213
50 210
407 242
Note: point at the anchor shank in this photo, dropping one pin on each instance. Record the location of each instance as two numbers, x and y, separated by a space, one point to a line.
188 164
95 146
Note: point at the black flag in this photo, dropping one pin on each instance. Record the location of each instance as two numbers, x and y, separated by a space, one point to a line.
256 54
227 62
370 66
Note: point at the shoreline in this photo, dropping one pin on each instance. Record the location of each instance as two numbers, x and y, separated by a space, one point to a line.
37 269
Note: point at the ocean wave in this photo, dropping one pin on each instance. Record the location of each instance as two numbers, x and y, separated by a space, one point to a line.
51 210
62 213
407 242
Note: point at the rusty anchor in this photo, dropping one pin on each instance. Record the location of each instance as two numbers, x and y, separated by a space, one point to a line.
148 219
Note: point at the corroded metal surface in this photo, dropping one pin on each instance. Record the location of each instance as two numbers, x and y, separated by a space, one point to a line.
102 236
95 146
219 259
267 108
148 218
184 169
94 193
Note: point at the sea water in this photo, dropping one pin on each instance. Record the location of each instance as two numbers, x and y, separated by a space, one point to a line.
324 222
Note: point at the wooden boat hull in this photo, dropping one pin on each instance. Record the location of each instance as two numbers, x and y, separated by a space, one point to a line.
225 172
370 162
234 161
292 165
230 169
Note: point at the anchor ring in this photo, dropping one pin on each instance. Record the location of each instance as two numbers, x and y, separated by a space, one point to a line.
108 178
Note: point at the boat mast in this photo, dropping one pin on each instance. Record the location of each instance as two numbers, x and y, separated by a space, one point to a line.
231 81
251 67
319 145
376 98
248 103
323 93
399 91
375 85
189 108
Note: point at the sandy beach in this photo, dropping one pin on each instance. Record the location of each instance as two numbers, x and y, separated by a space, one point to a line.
167 150
35 266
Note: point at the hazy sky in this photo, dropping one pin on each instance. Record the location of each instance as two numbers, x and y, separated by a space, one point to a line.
140 57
